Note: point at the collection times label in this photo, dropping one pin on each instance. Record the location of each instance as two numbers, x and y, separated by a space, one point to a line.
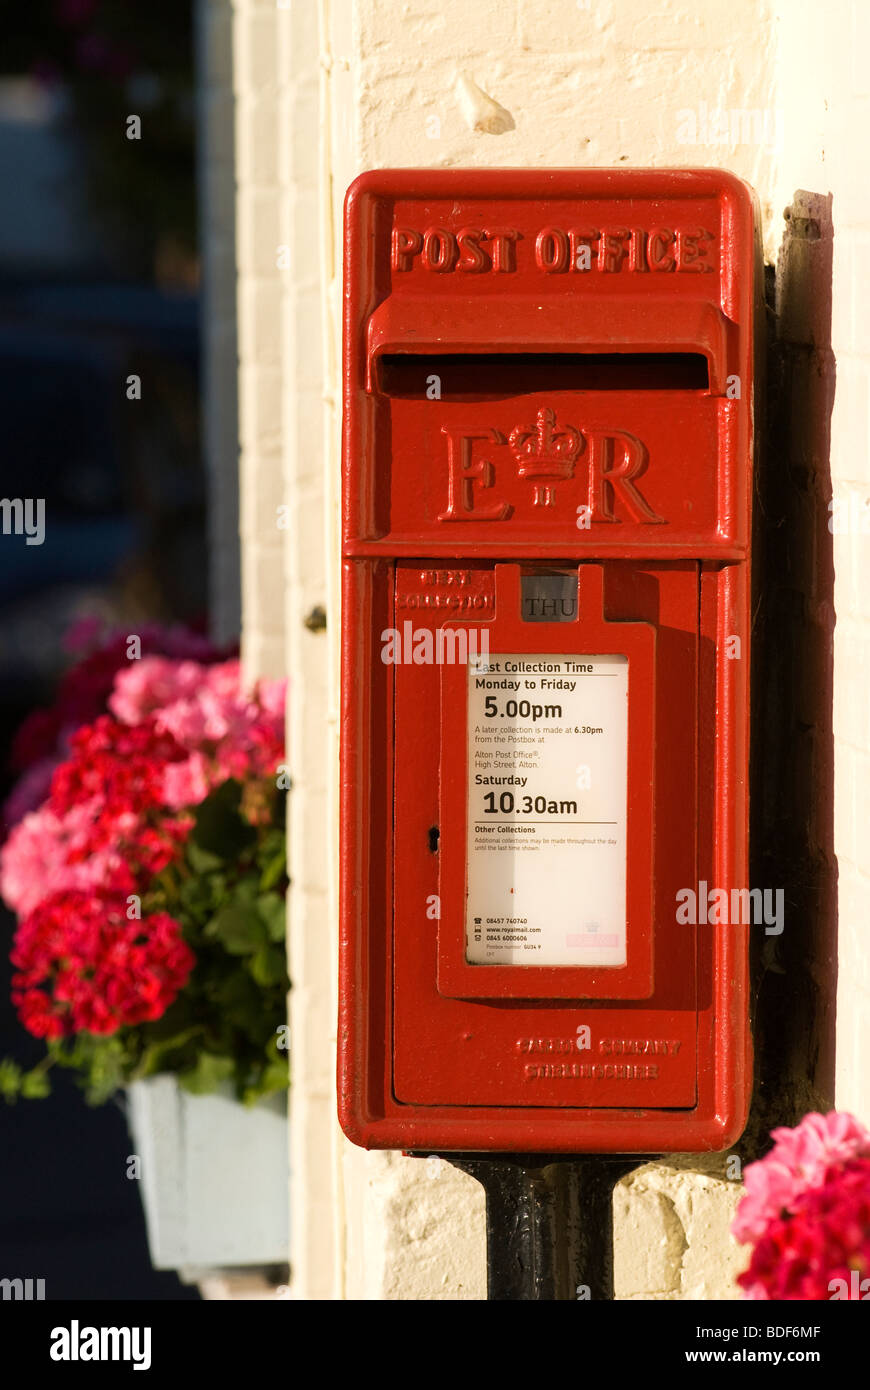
547 791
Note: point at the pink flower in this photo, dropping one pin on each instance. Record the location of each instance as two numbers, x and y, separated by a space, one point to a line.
40 857
798 1161
152 684
181 728
821 1249
233 732
272 696
187 783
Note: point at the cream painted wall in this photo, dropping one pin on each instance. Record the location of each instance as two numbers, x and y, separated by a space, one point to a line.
257 82
324 89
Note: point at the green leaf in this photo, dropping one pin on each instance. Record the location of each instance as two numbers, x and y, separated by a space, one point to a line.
267 966
219 828
238 1002
273 840
196 894
202 861
10 1080
273 872
240 930
274 1077
35 1084
207 1075
245 891
273 910
153 1056
104 1062
272 858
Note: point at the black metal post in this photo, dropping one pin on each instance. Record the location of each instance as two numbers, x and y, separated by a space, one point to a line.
549 1223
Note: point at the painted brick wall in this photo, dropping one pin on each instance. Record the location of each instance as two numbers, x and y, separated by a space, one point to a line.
260 251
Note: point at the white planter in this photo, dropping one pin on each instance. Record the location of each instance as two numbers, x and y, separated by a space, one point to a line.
214 1176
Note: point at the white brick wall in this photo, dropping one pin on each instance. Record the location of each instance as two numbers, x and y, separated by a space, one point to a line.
261 380
316 1193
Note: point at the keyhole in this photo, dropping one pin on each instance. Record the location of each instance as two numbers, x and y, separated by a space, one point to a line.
433 839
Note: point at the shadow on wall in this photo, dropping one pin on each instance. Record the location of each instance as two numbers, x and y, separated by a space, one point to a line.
792 792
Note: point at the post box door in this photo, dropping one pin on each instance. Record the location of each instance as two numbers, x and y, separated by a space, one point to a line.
522 1038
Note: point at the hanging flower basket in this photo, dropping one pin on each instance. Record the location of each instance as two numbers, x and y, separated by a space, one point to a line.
214 1175
149 952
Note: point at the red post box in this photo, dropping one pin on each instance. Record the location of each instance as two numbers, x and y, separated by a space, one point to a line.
548 444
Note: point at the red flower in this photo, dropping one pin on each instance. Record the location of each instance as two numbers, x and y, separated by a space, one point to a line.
822 1246
84 966
117 771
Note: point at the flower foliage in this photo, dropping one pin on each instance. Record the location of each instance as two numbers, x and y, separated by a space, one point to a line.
806 1213
149 887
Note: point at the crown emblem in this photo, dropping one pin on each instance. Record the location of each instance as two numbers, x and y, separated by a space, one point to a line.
545 453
